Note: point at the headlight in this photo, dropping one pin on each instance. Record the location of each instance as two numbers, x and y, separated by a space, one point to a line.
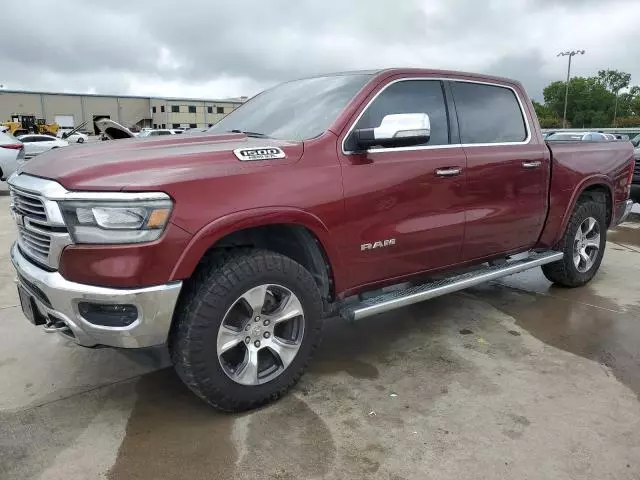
116 222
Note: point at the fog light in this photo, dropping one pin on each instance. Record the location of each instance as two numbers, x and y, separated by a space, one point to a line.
108 315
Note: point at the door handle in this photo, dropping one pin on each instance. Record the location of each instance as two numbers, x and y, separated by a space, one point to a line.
448 172
534 164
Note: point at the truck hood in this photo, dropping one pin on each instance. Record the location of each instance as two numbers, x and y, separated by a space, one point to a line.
151 163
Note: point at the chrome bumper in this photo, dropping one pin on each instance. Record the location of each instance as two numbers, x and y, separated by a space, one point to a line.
625 210
155 306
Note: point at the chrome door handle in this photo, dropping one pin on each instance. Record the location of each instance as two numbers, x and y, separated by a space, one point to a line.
534 164
448 172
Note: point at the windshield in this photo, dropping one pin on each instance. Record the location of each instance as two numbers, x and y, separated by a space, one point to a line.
636 140
296 110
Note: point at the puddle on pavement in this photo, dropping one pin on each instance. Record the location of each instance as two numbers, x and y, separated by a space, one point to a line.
172 434
603 334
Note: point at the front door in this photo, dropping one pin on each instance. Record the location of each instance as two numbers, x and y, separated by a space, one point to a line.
404 206
507 171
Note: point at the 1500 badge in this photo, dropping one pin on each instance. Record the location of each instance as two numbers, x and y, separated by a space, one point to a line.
263 153
379 244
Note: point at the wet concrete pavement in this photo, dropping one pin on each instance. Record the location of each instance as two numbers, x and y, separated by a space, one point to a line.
514 379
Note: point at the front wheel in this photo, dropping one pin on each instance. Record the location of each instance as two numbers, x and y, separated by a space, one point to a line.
246 329
80 140
583 245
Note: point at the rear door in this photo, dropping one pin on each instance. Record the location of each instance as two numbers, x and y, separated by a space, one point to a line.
402 217
507 170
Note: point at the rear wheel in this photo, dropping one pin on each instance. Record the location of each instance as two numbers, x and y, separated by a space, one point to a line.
583 244
80 140
246 329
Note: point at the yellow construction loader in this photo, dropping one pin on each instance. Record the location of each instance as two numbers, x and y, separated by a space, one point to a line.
21 124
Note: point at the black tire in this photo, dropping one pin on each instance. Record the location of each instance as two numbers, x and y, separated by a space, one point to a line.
210 294
80 140
564 272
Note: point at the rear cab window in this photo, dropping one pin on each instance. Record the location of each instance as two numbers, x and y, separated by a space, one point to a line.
488 114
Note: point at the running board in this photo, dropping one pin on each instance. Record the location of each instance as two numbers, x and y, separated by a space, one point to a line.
402 298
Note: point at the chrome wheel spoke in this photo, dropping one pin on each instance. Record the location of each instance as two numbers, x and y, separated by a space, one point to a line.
228 338
590 223
584 256
593 242
255 298
285 351
247 374
291 309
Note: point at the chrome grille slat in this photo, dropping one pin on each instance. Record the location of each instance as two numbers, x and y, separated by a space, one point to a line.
33 247
28 200
28 204
24 209
44 243
37 234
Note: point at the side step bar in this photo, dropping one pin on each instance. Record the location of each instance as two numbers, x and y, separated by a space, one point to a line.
402 298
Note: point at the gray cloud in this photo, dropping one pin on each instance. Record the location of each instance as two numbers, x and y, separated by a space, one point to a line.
238 47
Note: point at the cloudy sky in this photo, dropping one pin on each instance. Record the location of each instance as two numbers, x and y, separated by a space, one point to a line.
222 48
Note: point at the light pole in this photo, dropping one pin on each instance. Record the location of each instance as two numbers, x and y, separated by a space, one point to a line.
566 91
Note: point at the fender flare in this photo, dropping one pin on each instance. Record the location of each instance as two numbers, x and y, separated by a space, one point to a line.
599 179
214 231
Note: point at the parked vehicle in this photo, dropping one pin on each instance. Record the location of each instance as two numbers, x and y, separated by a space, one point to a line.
159 132
581 136
234 245
11 154
75 137
36 144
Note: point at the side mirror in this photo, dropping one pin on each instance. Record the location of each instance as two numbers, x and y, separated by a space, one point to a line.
396 130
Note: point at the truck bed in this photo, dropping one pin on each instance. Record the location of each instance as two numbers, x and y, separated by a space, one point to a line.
575 165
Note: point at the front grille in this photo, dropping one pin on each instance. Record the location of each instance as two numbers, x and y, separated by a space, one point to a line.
42 235
636 169
34 236
28 204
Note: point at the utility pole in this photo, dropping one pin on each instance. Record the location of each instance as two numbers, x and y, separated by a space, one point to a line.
566 91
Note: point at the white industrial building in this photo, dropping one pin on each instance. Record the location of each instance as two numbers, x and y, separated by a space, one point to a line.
71 109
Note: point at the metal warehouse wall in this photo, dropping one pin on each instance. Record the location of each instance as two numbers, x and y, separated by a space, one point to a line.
19 103
126 110
62 105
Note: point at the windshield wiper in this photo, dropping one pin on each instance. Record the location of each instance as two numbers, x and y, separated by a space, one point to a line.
250 134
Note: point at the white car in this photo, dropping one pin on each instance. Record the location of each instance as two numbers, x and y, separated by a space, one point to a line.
157 132
76 137
35 144
11 154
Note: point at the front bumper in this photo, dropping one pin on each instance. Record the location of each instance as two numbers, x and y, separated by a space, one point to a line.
624 211
57 299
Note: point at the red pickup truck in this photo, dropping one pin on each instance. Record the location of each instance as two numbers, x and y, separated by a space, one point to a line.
232 246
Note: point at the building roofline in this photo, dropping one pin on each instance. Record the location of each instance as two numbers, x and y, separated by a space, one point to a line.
103 95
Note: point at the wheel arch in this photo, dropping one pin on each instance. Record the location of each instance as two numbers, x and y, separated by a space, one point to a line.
295 233
558 217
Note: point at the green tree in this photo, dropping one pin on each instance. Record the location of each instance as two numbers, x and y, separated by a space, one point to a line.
614 81
586 97
546 116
